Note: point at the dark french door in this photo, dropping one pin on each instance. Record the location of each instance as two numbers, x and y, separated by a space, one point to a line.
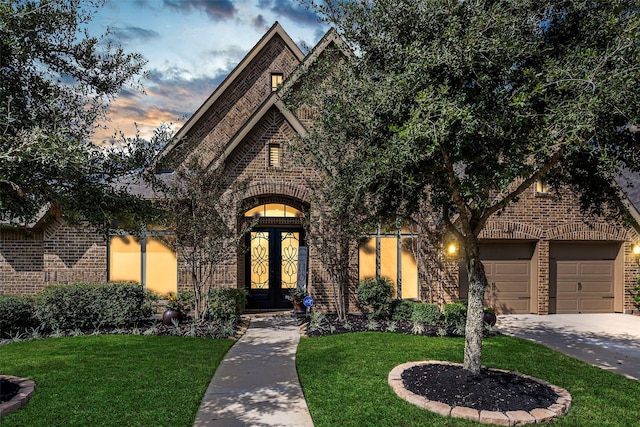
271 268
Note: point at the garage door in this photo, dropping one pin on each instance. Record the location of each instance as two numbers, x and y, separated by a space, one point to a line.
584 287
508 290
582 277
508 267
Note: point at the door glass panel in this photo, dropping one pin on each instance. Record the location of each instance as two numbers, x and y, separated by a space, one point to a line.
259 260
289 252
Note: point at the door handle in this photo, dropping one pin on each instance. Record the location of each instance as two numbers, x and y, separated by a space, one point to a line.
579 286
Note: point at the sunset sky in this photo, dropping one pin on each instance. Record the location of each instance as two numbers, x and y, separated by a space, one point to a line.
191 46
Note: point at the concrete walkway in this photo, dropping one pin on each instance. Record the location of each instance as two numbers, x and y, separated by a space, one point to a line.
257 383
609 341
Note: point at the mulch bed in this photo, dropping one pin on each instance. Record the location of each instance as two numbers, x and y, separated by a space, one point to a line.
187 328
490 391
8 390
358 323
330 325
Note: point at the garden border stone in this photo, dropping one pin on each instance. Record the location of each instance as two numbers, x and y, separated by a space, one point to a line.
509 418
27 388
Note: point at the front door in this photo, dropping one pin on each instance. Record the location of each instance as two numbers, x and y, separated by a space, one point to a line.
272 266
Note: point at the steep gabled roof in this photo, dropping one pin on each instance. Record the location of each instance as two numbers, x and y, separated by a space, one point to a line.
275 30
330 38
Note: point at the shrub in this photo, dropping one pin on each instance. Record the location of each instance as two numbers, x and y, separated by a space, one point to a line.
427 313
227 303
82 306
402 309
375 294
16 313
183 301
455 314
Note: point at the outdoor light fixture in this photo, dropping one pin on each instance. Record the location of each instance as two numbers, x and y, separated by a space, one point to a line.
452 249
635 251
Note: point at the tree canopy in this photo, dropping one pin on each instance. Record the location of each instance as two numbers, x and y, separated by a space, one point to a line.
465 104
56 82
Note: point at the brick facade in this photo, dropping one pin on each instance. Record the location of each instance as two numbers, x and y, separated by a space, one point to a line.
545 220
55 252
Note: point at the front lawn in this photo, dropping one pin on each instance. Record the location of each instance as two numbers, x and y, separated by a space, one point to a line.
112 380
344 378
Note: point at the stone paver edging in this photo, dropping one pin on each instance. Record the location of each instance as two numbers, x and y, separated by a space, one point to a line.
509 418
27 387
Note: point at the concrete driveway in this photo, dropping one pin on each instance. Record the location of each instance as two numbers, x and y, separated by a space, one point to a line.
610 341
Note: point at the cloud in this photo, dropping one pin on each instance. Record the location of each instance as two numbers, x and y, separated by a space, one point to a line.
291 10
259 23
169 98
218 10
134 33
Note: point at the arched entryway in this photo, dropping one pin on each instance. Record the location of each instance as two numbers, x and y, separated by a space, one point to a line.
272 257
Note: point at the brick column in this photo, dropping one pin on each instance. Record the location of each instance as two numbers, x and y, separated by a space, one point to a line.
543 276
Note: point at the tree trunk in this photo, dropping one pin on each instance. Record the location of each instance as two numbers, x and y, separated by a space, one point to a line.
343 279
474 327
196 294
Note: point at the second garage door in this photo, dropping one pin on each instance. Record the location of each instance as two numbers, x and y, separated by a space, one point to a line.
584 287
582 278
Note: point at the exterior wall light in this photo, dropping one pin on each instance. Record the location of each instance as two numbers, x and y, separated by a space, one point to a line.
636 250
452 249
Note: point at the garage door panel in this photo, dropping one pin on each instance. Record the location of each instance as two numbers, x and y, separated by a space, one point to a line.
595 268
512 288
597 287
508 290
567 287
601 305
512 306
511 269
568 306
569 269
584 286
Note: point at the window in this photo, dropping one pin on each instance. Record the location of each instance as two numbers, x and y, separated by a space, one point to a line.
160 268
274 155
274 210
397 262
542 187
276 81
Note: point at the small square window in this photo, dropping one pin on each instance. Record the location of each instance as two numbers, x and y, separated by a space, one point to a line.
276 81
274 155
542 186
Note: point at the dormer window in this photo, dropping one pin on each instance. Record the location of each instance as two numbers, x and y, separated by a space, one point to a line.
276 81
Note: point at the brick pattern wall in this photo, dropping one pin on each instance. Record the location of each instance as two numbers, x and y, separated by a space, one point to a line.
547 218
21 262
74 254
57 253
236 105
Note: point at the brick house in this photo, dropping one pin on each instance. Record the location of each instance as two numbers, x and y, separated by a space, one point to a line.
540 255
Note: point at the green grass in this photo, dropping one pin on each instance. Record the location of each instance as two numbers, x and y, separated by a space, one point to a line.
344 378
112 380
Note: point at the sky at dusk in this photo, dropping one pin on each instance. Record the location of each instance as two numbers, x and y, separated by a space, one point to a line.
190 46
